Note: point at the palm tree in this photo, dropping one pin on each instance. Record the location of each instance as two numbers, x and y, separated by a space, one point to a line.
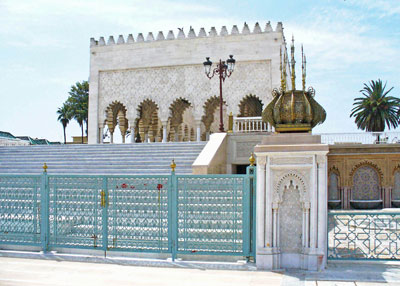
79 100
375 110
64 116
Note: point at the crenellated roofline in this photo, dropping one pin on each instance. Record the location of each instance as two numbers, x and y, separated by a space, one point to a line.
191 35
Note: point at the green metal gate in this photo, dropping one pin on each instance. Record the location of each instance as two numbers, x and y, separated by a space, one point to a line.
177 214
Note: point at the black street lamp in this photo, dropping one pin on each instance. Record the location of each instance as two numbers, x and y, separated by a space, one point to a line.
224 70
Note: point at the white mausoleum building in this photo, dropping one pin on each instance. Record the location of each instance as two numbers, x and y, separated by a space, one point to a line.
155 88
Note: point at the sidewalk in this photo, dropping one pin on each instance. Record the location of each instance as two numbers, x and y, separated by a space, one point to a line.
360 273
57 272
34 272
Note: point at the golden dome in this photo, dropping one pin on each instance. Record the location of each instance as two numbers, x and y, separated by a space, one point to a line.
294 111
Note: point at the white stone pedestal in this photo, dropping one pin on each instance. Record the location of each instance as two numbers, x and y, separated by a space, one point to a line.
291 202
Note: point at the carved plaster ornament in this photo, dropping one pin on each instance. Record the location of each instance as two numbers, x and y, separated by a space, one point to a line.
132 87
295 180
261 161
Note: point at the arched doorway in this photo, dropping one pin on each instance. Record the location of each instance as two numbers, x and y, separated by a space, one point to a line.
211 117
250 106
181 120
116 119
148 124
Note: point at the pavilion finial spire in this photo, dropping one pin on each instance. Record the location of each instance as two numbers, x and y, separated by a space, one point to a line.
303 68
282 68
293 64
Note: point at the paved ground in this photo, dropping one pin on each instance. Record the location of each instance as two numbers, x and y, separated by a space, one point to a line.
34 272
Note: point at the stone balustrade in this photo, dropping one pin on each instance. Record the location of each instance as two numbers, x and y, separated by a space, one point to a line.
250 124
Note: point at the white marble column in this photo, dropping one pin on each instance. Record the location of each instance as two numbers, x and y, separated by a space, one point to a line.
164 131
268 204
198 130
260 199
132 134
198 133
322 206
101 133
314 206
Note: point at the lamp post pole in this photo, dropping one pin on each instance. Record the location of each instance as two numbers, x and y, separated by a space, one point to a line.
223 70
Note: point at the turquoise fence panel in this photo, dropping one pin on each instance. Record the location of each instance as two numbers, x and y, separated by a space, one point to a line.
138 213
362 235
185 214
210 214
75 211
20 209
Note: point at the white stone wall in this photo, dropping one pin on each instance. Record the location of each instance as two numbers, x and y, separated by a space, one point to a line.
163 70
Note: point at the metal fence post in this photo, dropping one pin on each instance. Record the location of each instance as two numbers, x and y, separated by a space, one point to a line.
44 205
104 214
173 209
246 226
251 172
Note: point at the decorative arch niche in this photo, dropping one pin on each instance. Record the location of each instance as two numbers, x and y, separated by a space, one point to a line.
290 214
366 186
395 197
334 194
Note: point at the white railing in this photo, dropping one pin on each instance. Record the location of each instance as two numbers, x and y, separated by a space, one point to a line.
255 124
250 124
12 142
360 138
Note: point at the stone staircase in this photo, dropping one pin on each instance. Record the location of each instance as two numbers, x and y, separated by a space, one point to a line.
102 159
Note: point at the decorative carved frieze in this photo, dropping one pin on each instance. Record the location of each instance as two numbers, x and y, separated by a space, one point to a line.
291 160
287 179
165 84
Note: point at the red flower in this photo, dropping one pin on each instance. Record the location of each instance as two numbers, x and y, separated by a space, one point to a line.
159 186
124 186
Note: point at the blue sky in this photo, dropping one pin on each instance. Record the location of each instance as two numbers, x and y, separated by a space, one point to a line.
44 48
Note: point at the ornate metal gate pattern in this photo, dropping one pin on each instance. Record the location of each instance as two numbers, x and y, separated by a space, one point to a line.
177 214
363 235
20 210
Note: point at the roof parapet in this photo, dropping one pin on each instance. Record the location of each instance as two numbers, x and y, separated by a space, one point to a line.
191 34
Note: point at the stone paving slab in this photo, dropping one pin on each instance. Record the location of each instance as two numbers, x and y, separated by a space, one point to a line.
54 270
353 273
20 271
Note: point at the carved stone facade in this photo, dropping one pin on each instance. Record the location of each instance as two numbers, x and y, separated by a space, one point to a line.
350 166
291 202
167 76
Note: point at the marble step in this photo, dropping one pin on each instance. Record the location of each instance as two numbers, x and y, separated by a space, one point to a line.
130 159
